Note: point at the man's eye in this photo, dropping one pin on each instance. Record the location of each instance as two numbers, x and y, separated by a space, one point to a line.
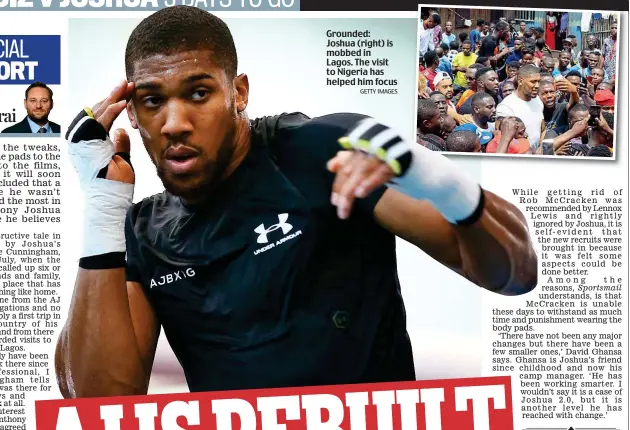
151 101
199 94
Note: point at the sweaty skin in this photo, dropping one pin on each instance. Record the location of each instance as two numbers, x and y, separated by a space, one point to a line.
108 343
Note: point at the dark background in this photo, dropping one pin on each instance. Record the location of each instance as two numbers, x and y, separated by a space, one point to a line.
412 5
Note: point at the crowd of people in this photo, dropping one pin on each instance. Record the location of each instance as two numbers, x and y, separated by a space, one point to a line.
501 89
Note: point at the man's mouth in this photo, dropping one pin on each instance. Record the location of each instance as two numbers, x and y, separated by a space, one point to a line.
181 159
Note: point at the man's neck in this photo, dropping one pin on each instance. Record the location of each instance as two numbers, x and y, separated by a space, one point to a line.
480 122
523 96
242 145
40 122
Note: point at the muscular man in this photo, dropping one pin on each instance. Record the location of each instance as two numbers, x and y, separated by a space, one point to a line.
270 258
487 82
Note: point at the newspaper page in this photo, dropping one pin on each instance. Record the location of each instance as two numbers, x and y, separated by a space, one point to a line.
287 215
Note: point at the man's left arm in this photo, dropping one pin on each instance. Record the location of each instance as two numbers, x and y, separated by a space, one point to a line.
446 214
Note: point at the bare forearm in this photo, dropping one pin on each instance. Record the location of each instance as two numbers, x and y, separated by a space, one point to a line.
496 251
97 352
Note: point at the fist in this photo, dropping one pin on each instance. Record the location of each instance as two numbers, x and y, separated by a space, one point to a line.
357 174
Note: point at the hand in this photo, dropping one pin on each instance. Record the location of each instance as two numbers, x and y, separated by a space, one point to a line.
580 127
565 86
583 91
565 149
510 127
424 94
106 113
357 175
510 50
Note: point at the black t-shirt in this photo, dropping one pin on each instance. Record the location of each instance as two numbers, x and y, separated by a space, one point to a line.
557 119
264 286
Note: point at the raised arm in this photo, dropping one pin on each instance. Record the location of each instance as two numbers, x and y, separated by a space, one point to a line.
433 205
107 345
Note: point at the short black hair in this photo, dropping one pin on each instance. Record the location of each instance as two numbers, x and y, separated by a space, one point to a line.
463 36
599 151
481 60
479 98
540 43
547 58
514 65
444 46
480 21
181 28
502 26
518 38
38 85
436 19
527 34
574 73
467 42
576 108
544 81
427 109
430 58
482 71
454 45
436 93
571 36
461 141
528 70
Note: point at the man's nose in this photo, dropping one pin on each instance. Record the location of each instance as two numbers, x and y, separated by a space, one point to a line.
177 121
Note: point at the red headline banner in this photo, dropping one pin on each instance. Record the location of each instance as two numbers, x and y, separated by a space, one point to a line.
462 404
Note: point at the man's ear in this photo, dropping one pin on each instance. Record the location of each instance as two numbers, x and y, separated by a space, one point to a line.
241 88
131 114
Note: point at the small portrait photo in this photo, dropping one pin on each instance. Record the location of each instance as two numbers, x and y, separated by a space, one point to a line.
38 104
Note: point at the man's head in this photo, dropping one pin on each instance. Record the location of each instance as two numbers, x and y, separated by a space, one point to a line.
440 101
518 44
567 45
448 27
454 45
463 36
538 32
463 141
512 24
599 151
444 47
606 86
564 60
548 64
577 113
470 74
429 23
439 52
466 47
527 58
613 30
428 117
484 109
486 27
606 99
480 23
522 26
448 125
444 84
547 94
507 88
188 104
528 81
540 44
593 59
598 76
574 77
584 54
601 136
483 61
431 60
573 38
547 77
591 42
38 102
436 20
512 68
487 81
528 35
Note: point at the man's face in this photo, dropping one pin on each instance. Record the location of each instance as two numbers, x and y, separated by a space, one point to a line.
38 104
521 131
547 65
486 28
446 88
547 94
470 79
593 60
613 31
609 109
518 45
564 60
466 49
523 27
508 88
567 45
575 80
490 82
440 101
591 41
429 22
577 116
530 85
598 76
512 71
527 59
486 110
186 109
448 27
433 125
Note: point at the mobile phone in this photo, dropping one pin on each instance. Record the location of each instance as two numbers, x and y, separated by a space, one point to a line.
594 112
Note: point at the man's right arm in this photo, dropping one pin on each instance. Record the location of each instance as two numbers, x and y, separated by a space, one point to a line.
108 343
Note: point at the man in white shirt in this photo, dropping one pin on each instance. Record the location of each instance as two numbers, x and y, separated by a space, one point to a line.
525 104
426 35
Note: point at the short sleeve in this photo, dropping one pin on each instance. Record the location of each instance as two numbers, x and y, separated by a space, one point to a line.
133 273
503 110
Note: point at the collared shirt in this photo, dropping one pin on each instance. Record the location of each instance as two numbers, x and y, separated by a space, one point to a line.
426 40
35 127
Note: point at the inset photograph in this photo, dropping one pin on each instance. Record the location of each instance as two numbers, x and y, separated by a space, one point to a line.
518 82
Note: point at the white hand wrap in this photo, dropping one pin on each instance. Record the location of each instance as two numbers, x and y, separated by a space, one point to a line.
421 173
105 201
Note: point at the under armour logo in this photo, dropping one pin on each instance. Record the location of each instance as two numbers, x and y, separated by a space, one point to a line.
282 223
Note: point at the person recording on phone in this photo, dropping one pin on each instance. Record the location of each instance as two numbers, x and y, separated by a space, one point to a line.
270 259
